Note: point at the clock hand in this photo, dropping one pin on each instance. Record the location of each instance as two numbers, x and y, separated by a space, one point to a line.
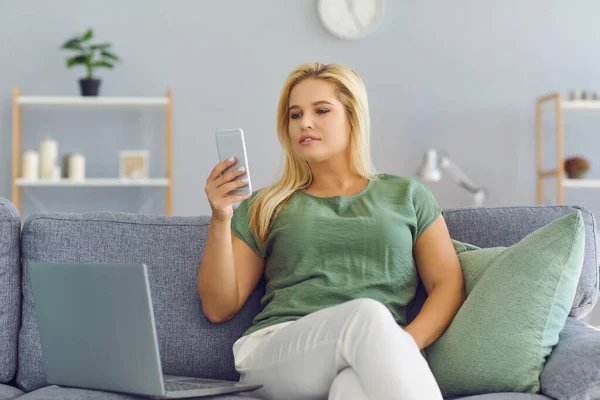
350 5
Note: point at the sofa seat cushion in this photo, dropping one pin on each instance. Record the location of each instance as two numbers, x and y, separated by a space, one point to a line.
8 392
54 392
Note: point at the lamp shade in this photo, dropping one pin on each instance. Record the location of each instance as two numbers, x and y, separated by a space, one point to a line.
429 169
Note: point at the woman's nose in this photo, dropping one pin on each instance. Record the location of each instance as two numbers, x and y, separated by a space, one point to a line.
306 123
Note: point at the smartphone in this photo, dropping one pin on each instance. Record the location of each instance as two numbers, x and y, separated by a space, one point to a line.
231 143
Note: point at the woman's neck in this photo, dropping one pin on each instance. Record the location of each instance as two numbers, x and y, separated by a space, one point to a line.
330 181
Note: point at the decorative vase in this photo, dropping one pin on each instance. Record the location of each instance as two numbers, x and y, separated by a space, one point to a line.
89 87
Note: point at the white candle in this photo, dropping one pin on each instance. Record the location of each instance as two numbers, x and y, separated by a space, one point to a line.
76 167
56 173
30 165
48 158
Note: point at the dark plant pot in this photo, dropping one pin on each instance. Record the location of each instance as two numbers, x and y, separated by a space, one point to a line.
576 175
89 87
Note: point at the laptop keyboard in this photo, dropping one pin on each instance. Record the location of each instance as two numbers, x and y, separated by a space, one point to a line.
177 385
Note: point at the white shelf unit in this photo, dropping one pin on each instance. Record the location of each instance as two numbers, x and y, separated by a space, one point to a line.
164 102
562 181
581 183
580 105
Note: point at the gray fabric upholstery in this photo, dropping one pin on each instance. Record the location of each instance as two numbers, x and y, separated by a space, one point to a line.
505 226
9 392
172 247
10 288
504 396
572 371
59 393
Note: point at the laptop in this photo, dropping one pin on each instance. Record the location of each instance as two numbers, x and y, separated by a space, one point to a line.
97 331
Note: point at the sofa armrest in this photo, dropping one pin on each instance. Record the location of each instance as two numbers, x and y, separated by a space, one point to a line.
572 370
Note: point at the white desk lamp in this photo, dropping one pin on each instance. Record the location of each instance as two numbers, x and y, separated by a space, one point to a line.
432 167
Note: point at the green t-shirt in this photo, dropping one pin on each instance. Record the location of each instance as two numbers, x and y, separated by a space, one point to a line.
322 252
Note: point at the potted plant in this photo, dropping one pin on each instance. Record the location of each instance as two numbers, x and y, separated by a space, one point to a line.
91 56
576 167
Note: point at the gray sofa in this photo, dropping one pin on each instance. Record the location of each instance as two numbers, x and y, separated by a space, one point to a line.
190 344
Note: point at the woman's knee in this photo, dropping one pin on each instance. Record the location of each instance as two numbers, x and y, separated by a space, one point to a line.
372 309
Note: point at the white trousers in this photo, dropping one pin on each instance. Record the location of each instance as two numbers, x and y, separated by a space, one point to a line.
352 351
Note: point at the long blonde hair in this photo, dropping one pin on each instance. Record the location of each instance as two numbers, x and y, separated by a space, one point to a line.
351 92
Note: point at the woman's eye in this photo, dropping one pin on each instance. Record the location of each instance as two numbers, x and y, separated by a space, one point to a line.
322 111
295 115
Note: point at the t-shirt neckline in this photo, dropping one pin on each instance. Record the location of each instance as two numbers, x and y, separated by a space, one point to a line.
362 192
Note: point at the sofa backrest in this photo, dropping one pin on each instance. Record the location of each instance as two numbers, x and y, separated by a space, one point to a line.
10 288
505 226
172 247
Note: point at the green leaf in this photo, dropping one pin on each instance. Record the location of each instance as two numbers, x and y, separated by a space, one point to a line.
72 44
102 46
75 48
102 64
87 35
76 61
110 55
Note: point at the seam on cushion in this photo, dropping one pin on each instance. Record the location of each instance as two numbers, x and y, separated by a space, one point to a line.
562 275
39 218
506 208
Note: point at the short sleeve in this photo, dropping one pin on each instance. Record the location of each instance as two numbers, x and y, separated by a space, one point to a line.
240 225
426 207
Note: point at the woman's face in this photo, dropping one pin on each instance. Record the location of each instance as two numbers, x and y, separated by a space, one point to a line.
315 112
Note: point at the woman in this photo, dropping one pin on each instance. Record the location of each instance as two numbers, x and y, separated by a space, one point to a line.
341 247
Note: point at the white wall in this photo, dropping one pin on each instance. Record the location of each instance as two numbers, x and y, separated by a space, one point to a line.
461 76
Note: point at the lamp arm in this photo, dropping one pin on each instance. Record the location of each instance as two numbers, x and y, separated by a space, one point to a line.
458 176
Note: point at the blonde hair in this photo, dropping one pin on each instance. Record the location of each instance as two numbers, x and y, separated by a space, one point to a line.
351 92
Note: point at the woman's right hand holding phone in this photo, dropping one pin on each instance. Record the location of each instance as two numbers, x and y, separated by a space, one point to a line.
218 185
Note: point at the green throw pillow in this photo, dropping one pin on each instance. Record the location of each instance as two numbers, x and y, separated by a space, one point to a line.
518 299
